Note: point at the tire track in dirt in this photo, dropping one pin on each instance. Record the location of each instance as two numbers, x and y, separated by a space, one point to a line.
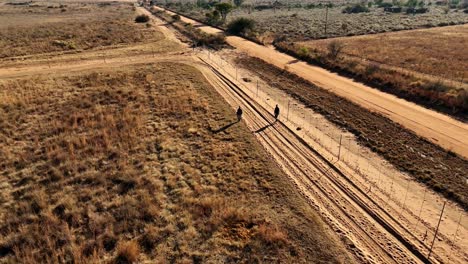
365 228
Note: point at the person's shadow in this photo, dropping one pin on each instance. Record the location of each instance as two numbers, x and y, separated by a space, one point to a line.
265 127
224 127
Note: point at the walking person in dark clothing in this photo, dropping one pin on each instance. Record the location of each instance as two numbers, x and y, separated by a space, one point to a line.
239 114
277 111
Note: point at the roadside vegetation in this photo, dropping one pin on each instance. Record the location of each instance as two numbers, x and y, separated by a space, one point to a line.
123 166
80 27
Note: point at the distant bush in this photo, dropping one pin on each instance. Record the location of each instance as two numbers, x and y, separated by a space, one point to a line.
385 4
356 8
176 17
241 26
412 10
393 9
142 19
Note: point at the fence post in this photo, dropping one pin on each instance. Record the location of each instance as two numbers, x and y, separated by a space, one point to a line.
339 148
437 230
257 87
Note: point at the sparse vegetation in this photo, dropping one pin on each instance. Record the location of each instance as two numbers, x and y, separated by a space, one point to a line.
197 36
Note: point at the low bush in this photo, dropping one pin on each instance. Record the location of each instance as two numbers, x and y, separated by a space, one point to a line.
176 17
142 19
241 26
413 10
356 8
385 4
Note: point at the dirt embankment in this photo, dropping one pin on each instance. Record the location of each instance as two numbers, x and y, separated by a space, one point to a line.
441 170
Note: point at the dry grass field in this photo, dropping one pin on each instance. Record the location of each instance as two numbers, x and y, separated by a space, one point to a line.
41 27
440 52
123 165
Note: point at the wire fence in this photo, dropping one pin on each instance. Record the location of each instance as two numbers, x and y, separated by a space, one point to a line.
384 184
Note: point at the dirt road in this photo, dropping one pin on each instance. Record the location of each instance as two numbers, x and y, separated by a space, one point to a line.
366 230
437 128
380 215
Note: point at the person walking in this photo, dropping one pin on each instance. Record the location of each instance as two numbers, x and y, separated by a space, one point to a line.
277 111
239 114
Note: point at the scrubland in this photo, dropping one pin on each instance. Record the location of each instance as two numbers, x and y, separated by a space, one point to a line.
299 23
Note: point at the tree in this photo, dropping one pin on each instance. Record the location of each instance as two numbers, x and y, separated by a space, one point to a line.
223 9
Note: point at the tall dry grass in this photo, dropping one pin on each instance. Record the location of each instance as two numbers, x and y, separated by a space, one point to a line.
122 166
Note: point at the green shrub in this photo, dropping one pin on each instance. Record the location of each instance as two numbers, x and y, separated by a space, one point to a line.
142 19
241 26
356 8
385 4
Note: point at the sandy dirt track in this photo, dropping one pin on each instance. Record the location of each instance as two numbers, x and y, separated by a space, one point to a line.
440 129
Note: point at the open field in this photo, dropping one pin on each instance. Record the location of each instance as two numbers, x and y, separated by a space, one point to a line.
440 52
41 27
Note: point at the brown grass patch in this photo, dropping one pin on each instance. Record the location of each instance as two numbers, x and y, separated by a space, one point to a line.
94 160
82 27
440 52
